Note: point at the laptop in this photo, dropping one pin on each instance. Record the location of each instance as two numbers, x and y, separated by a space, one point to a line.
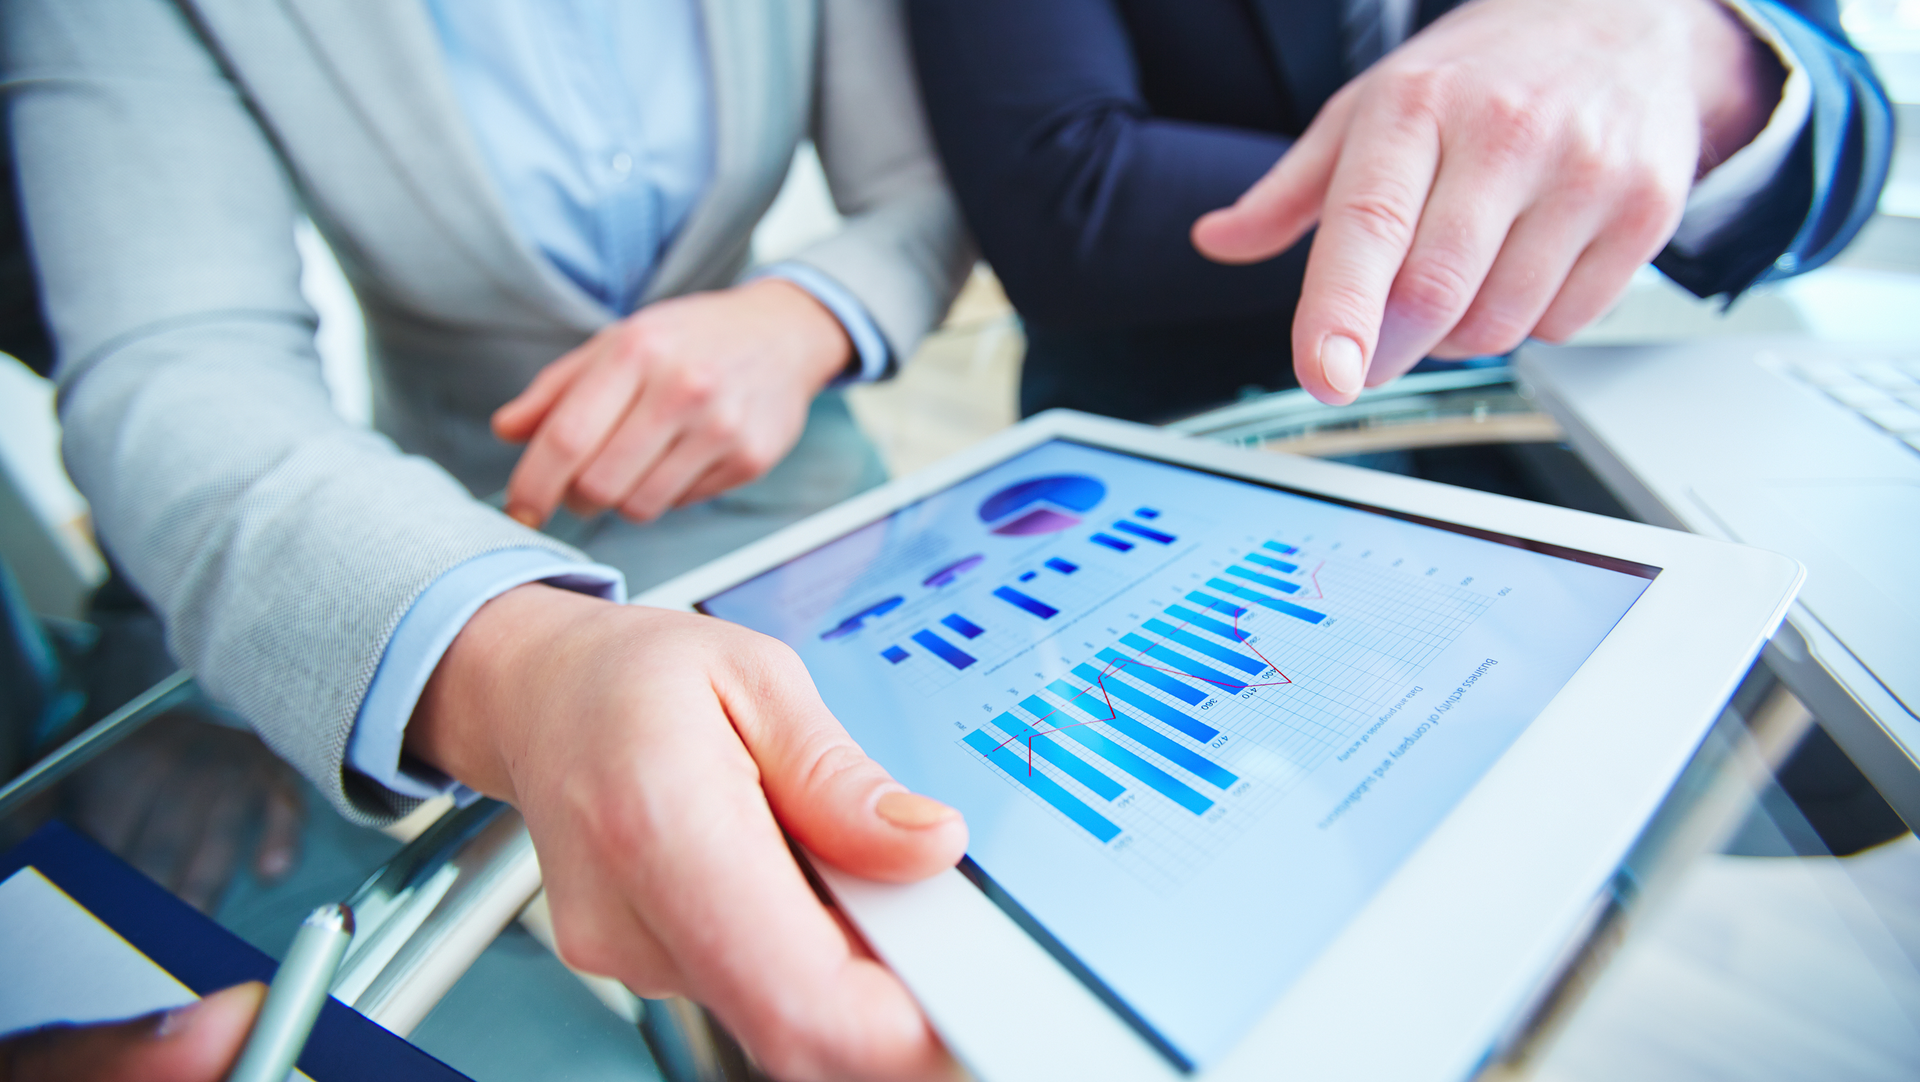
1807 448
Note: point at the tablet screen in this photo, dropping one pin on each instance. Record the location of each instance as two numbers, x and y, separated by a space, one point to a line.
1194 722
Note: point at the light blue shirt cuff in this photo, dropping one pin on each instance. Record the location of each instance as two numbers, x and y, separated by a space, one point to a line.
425 632
876 357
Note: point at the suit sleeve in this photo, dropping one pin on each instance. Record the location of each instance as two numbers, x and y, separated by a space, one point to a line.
1081 199
1831 180
280 544
904 250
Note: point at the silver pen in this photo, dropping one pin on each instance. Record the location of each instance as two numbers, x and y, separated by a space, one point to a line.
295 997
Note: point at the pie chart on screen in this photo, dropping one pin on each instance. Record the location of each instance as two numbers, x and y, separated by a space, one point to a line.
1042 505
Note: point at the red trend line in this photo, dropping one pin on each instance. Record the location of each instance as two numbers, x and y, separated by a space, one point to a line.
1034 734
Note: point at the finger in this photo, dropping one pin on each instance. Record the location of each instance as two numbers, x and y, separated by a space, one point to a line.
1468 216
208 862
721 477
1540 252
631 454
176 819
195 1043
1366 229
1606 268
1277 211
742 923
692 457
285 816
835 800
517 420
570 435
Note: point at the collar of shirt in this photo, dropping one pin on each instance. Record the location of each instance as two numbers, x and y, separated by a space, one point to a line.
595 119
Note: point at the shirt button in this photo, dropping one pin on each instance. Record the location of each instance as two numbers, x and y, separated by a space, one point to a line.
621 163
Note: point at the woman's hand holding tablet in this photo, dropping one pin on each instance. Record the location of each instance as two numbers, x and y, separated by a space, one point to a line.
1258 754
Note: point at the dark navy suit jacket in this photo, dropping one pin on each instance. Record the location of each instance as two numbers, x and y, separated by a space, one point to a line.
1085 136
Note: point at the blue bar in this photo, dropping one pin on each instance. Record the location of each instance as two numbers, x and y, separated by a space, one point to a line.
1252 666
1138 530
1076 768
1273 603
943 649
1268 561
1147 674
1268 581
1043 787
1185 664
1014 597
1254 596
1147 737
1284 550
1029 576
1216 605
1160 711
1206 623
963 625
1166 784
1147 512
1113 543
894 654
1062 566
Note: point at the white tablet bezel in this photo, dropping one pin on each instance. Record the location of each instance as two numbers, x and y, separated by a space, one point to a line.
1424 977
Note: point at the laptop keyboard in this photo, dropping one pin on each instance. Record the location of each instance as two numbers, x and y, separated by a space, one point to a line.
1886 393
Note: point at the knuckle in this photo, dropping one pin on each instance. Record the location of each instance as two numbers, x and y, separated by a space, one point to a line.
1433 289
596 490
1417 92
1383 213
1516 129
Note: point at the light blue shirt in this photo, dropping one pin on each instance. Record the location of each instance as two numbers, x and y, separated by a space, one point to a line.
596 122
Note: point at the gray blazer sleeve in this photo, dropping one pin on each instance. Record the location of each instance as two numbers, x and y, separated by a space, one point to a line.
280 544
904 251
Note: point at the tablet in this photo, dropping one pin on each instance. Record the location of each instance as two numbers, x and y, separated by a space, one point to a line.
1270 765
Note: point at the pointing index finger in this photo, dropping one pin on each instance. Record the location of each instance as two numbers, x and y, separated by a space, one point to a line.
1367 226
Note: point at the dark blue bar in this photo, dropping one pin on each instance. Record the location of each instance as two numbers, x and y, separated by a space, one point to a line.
1206 623
963 625
1268 581
1062 566
1138 530
1284 550
1090 703
1029 576
1147 674
895 654
1216 605
1161 711
1252 666
1147 512
1185 664
1113 543
1014 597
1166 784
943 649
1268 561
1043 787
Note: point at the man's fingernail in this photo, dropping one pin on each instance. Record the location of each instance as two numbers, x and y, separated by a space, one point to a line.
1342 364
911 811
524 517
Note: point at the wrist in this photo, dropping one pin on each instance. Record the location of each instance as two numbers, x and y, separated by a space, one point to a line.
824 347
465 723
1737 80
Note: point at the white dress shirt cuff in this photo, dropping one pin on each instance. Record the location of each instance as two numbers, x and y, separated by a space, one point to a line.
422 637
869 345
1719 197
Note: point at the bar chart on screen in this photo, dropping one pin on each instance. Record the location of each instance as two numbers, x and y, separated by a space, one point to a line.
1212 689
